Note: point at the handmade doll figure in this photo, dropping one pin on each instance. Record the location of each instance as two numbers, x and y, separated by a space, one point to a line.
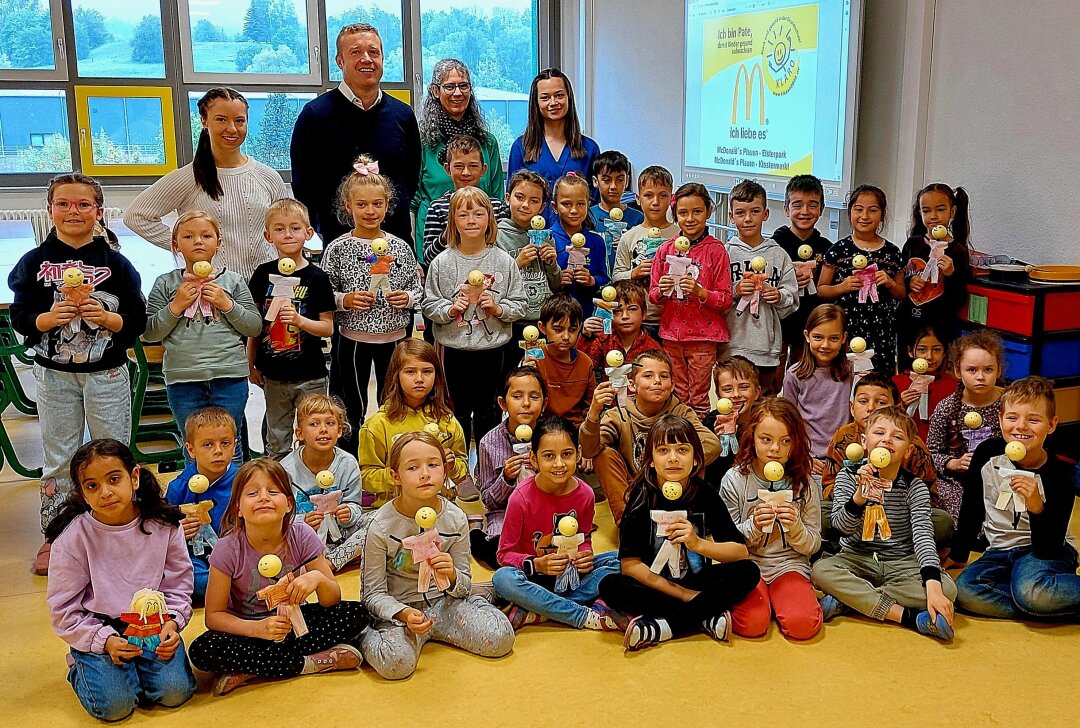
975 432
577 256
423 547
727 425
758 278
435 430
283 288
873 489
606 306
326 503
648 245
475 285
538 232
276 595
806 264
931 272
920 382
670 554
147 616
1007 497
568 542
680 264
866 274
532 343
853 455
614 225
774 473
861 360
205 538
75 289
380 260
618 373
201 274
523 434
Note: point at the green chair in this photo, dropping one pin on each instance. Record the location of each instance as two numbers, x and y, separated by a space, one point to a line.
152 421
7 449
14 351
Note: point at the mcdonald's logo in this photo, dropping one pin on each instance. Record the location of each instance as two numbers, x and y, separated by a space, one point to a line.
749 76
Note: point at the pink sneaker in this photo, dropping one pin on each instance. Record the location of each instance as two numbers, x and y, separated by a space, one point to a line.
338 657
229 681
41 561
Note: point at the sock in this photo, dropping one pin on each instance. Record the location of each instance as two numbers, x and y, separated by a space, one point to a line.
309 667
907 618
665 629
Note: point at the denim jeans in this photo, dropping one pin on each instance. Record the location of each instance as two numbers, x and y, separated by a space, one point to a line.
229 393
111 692
1016 584
512 584
68 404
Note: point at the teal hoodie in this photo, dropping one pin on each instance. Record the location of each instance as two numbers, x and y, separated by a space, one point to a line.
539 278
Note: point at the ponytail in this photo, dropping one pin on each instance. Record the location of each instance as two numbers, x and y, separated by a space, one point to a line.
961 224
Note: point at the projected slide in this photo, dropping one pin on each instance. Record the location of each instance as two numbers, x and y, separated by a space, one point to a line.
766 87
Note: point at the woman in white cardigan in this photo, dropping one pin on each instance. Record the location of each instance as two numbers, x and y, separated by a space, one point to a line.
222 181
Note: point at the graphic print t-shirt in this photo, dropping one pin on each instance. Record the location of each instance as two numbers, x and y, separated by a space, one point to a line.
286 353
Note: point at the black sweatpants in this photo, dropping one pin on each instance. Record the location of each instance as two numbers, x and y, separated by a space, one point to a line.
722 586
350 373
473 382
222 652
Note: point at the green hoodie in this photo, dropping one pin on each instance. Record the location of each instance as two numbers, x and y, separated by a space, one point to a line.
540 279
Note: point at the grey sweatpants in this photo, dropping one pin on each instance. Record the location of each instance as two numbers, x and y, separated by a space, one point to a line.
282 399
871 586
472 624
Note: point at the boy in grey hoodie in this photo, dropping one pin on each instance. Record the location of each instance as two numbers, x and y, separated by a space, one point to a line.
763 281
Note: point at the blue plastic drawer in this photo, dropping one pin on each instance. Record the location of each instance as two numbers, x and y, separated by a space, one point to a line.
1017 359
1061 358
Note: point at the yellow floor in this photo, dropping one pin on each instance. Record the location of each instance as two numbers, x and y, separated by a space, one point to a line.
855 673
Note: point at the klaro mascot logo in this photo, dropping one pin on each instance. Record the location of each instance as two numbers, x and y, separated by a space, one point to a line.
780 58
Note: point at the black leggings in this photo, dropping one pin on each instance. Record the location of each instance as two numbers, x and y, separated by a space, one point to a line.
222 652
485 550
473 382
350 372
722 586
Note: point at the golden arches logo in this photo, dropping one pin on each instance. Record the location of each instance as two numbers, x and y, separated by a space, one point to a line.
742 75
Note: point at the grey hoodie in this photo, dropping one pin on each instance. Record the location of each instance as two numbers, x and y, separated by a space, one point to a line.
539 278
759 338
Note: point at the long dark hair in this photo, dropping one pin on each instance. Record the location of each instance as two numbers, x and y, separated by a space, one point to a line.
961 222
673 430
202 166
148 499
800 461
840 367
533 137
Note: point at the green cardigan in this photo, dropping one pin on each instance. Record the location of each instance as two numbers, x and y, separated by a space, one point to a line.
435 182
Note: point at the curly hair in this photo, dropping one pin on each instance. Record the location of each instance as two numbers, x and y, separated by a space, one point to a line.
432 109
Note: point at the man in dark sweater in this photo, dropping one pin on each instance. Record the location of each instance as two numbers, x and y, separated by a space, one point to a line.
355 118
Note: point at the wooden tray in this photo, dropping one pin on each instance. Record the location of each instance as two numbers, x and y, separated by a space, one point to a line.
1055 273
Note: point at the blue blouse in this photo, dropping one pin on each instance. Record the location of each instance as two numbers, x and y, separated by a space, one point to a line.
597 264
550 168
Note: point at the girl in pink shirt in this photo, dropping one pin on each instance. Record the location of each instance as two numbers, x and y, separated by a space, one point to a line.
113 539
692 324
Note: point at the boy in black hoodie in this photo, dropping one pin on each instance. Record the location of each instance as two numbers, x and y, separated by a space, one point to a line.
78 304
804 201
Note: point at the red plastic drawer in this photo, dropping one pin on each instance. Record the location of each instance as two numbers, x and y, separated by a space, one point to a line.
1062 311
1004 310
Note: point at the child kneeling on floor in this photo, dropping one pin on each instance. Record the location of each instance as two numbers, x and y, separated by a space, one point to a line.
1029 570
676 524
417 581
262 547
548 569
897 577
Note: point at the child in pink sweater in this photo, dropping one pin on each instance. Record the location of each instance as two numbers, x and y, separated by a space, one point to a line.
692 324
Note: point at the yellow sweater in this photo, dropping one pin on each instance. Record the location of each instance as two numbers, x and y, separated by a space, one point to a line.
377 436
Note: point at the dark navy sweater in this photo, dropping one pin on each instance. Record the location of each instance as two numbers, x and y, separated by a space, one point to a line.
80 348
330 133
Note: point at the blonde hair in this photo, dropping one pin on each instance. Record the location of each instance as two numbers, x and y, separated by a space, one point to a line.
1031 390
899 417
190 216
207 417
287 206
356 179
394 458
149 601
468 197
322 404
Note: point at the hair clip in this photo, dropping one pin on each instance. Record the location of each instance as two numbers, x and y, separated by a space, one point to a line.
365 169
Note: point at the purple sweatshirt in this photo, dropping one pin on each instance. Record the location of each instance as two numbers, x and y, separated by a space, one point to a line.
823 403
95 569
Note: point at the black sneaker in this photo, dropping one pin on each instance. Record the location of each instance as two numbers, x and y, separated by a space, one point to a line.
718 627
642 632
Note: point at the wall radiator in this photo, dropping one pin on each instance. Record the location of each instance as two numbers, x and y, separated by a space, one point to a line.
42 224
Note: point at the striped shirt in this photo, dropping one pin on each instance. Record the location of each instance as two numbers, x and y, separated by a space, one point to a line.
495 449
907 506
247 191
438 215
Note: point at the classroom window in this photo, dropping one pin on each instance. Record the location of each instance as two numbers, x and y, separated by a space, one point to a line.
26 36
271 116
125 130
118 39
499 43
250 41
384 15
26 118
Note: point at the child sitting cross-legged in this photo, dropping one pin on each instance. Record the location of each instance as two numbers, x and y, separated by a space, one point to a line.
888 567
614 436
1029 570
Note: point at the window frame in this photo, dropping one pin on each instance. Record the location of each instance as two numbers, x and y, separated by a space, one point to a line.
58 24
189 76
83 94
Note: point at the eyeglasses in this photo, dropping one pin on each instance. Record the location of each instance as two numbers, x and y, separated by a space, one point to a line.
452 87
64 205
